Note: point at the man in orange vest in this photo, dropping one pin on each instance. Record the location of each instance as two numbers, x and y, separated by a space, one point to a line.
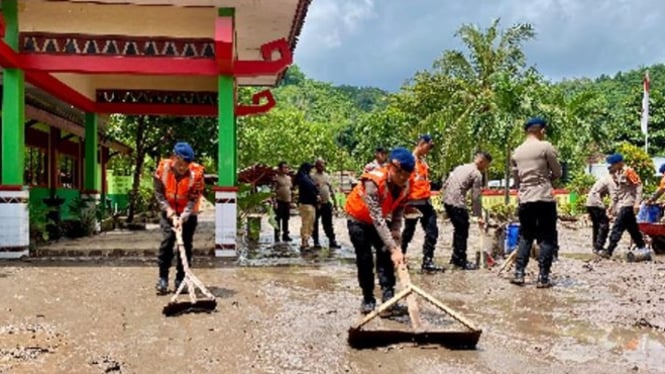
178 189
419 198
375 209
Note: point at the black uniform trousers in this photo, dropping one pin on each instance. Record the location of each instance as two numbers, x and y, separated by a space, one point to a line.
282 215
625 220
459 217
324 213
600 225
429 225
363 237
537 222
168 243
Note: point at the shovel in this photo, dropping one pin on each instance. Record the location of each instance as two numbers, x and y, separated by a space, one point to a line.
194 305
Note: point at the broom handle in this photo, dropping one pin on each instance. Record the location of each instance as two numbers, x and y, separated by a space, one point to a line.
508 261
412 304
185 265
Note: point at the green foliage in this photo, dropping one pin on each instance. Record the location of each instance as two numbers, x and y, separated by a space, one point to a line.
87 215
38 222
251 202
502 213
636 158
580 183
572 209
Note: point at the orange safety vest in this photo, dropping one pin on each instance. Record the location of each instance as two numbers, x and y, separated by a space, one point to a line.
179 192
420 186
355 205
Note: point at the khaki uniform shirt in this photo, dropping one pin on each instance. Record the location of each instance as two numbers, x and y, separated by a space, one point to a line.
603 187
535 166
283 187
462 179
322 181
628 188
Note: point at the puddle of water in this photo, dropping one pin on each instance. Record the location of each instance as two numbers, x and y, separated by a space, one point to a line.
268 253
579 256
645 350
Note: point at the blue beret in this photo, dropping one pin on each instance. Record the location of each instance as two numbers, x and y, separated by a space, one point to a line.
405 158
662 169
184 151
535 121
425 138
614 159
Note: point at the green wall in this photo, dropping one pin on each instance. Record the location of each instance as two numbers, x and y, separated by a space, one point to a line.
37 194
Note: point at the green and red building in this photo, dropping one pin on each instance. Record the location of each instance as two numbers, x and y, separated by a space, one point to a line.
83 60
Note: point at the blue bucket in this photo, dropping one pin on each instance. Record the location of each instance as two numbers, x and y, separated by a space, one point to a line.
649 213
512 237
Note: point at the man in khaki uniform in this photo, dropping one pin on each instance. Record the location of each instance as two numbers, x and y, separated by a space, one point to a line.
625 202
283 187
535 167
598 212
462 179
324 211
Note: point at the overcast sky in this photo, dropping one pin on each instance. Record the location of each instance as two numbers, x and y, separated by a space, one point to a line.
383 42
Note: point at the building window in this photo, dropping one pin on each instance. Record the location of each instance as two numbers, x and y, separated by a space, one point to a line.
36 167
67 171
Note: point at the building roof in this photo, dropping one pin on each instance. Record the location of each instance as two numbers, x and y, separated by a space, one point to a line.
186 21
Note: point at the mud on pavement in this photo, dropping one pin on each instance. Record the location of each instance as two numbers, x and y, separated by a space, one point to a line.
103 317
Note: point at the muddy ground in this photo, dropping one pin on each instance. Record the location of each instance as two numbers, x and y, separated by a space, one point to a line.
283 312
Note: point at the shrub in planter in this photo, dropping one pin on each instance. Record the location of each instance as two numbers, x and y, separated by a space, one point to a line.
73 228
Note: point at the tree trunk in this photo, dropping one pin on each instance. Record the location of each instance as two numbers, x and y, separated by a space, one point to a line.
138 167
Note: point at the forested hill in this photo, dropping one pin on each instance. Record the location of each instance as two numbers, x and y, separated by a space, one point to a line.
621 95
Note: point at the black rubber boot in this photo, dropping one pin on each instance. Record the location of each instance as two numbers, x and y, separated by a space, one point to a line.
334 245
395 310
276 236
464 265
518 279
286 238
604 253
162 286
428 266
368 304
544 280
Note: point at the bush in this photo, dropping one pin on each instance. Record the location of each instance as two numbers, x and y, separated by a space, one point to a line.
636 158
581 183
74 229
38 222
503 213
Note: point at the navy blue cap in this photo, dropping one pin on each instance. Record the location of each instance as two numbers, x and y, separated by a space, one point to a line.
184 151
535 121
404 157
425 138
614 159
661 169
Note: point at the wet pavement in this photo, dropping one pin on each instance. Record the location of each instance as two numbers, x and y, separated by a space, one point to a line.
286 312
